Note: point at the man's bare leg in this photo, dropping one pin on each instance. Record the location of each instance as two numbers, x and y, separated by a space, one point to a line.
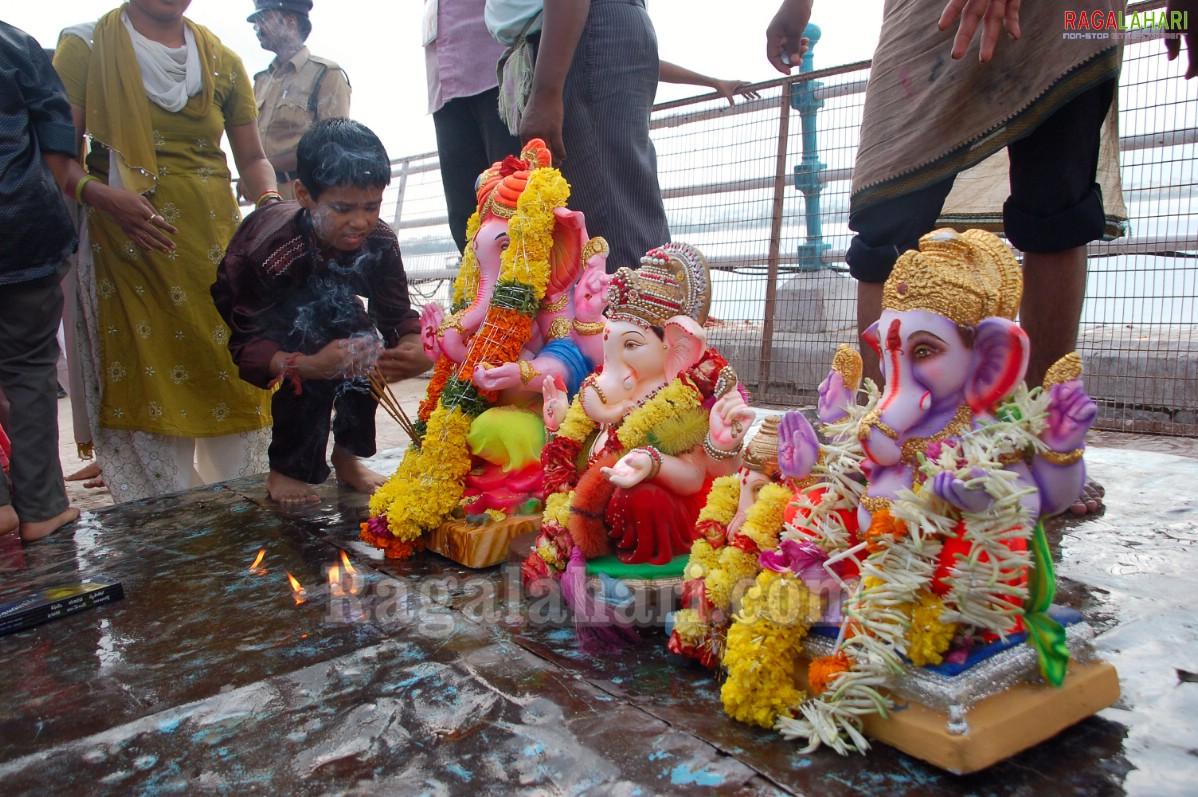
1054 285
352 473
869 310
287 490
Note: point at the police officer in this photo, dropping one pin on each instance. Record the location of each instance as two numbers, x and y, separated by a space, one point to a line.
297 89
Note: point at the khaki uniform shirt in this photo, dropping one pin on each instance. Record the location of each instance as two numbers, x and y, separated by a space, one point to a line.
292 96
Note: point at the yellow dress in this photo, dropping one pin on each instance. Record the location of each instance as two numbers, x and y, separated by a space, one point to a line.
164 364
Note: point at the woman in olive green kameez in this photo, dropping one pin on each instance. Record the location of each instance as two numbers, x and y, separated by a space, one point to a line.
167 408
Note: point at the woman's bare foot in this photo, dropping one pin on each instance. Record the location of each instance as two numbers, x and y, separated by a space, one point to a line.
353 474
96 483
44 528
1090 501
9 522
89 471
287 490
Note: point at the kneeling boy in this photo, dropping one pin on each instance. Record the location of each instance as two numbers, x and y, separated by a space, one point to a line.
289 288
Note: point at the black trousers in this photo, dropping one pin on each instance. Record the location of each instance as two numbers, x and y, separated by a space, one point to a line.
29 317
301 431
470 137
1054 205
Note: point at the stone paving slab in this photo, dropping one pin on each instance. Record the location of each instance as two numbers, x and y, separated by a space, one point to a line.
436 679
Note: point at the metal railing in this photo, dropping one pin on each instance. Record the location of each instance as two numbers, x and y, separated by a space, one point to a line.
762 189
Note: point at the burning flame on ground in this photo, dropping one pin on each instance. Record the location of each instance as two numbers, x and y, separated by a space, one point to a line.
297 589
257 561
348 567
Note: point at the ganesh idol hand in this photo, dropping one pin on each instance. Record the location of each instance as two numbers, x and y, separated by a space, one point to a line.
834 398
499 377
730 420
431 317
1070 413
553 406
632 469
968 496
798 447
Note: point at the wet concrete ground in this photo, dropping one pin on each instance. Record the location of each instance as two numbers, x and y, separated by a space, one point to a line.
440 680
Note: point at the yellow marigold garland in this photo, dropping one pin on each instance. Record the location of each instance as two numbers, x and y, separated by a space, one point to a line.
526 260
557 508
722 500
691 630
764 521
703 558
762 651
735 570
576 426
672 400
423 490
725 569
928 637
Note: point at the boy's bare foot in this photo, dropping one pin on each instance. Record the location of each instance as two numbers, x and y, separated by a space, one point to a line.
44 528
89 471
353 474
9 522
287 490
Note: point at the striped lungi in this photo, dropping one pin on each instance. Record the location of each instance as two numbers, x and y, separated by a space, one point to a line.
610 161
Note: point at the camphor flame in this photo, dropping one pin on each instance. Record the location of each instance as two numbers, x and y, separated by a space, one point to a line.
335 588
257 561
351 573
297 589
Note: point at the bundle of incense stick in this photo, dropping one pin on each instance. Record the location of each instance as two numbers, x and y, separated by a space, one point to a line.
387 400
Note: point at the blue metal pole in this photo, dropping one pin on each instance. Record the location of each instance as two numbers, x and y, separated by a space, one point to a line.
807 172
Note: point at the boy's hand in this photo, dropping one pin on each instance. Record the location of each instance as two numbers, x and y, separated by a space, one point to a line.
341 359
407 358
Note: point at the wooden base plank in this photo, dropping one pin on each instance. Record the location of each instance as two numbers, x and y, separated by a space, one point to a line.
480 546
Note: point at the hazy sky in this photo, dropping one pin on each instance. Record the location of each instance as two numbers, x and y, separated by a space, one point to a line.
378 44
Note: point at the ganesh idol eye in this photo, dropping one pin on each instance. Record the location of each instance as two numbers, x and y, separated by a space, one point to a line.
925 347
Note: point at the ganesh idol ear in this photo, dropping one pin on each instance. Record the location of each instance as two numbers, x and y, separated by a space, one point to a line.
999 363
686 341
870 336
565 258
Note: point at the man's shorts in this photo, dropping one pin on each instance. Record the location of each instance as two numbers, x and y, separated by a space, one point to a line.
1055 204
